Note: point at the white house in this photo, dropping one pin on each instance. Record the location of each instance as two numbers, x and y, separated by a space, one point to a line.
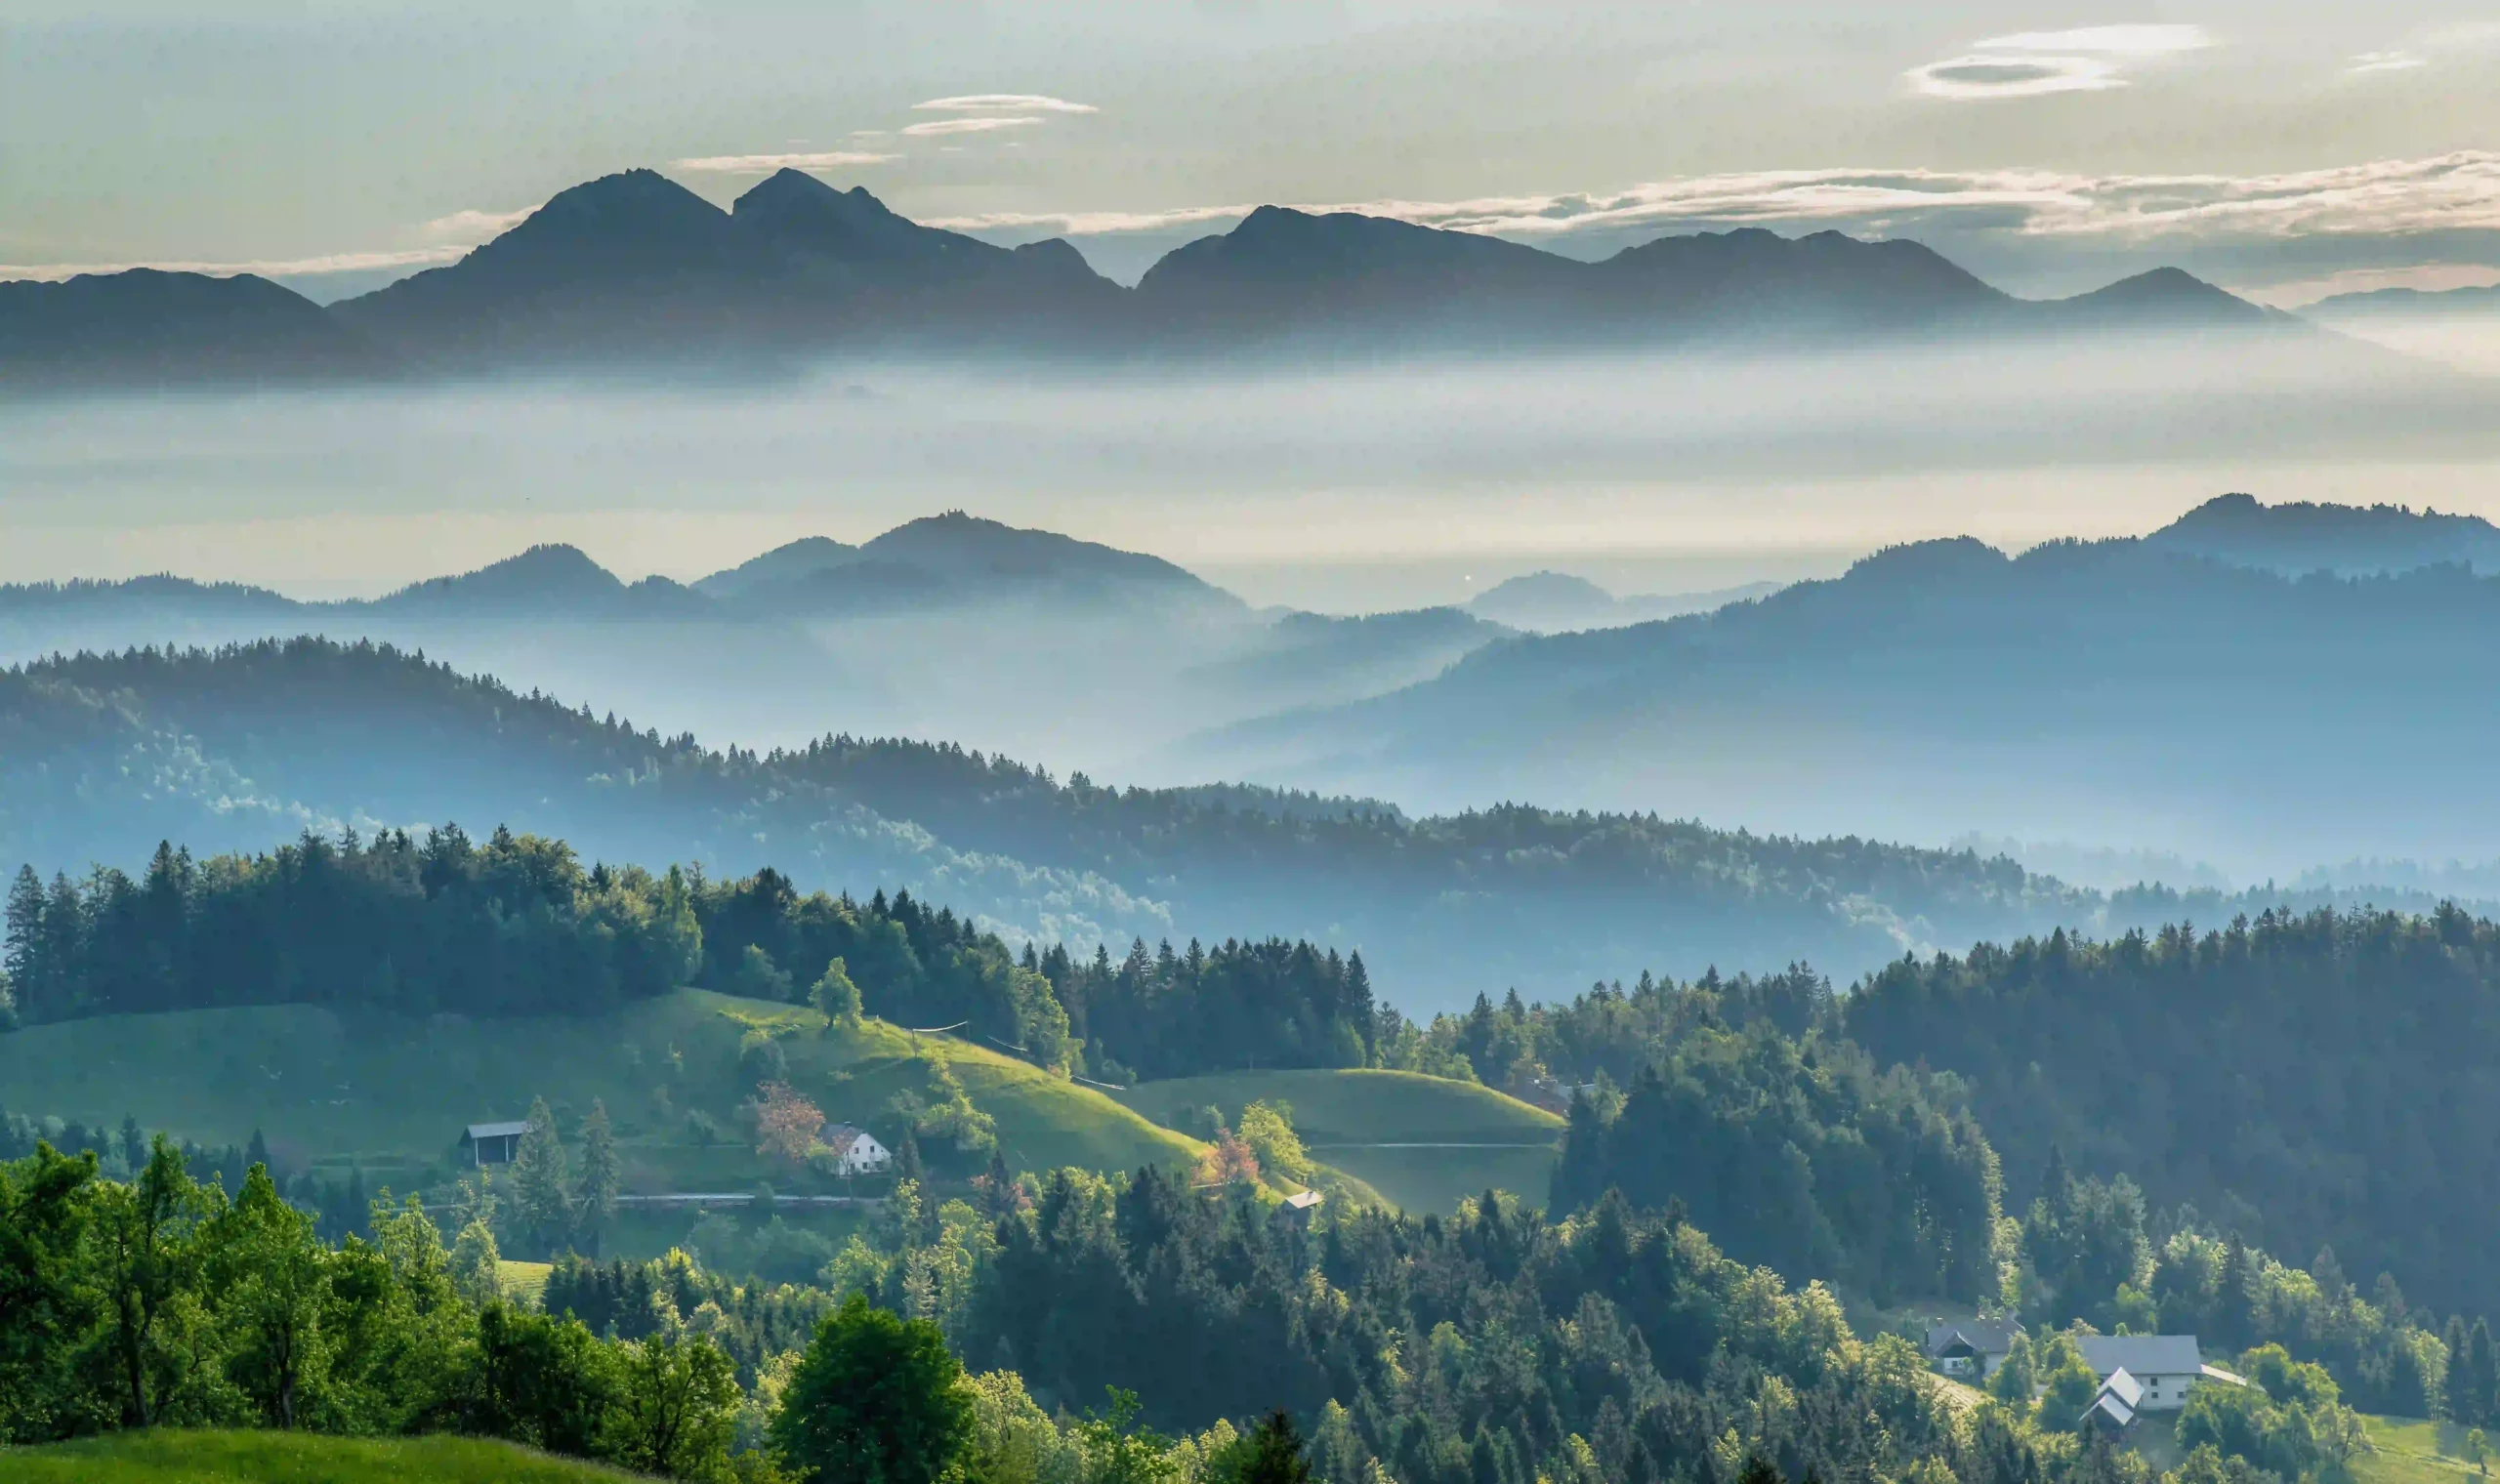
1970 1349
2164 1368
856 1150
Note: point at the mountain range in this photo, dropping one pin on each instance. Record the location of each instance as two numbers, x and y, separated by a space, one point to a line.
2165 694
633 269
949 625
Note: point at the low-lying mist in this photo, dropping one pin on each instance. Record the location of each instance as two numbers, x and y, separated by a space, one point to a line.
1516 461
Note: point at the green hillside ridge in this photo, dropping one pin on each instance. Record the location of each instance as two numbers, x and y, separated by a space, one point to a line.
1459 1138
177 1456
393 1094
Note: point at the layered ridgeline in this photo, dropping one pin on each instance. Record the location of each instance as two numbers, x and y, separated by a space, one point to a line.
2171 693
634 267
950 625
103 757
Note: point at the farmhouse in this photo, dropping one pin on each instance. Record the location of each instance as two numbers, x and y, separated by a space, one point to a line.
855 1151
492 1143
2165 1367
1970 1349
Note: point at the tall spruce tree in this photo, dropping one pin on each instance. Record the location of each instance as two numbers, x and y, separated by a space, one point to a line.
596 1188
542 1188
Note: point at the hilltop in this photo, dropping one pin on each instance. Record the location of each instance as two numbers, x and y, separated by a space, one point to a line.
392 1095
1425 1143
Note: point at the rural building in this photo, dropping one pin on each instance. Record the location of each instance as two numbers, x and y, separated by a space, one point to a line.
855 1151
1970 1349
2114 1405
1300 1206
493 1143
2165 1368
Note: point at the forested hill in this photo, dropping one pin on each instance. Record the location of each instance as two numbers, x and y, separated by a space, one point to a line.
2167 701
2305 1081
102 756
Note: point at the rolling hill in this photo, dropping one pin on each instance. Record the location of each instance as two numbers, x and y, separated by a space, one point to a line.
195 1455
1425 1143
392 1095
102 756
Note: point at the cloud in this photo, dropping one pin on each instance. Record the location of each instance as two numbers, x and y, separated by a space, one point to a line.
2459 191
759 164
982 124
1987 76
2384 61
448 239
475 226
2087 59
266 268
2105 40
1003 103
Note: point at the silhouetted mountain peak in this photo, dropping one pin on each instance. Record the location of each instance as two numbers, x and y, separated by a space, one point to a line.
638 212
962 545
2299 536
793 208
791 561
2166 296
148 324
548 576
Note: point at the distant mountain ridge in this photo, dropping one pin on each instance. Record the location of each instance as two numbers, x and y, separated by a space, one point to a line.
2116 692
2348 540
1547 603
635 270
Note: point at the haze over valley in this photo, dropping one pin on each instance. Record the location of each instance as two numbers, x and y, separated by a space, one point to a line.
1375 743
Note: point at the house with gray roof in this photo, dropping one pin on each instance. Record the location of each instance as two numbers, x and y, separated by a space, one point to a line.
1970 1349
2164 1368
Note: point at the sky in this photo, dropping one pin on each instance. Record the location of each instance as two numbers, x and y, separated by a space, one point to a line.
2285 149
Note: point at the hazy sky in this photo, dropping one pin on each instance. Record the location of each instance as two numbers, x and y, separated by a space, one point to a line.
2272 147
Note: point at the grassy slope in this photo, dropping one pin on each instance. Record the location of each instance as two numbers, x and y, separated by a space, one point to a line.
1346 1115
2413 1451
169 1455
396 1093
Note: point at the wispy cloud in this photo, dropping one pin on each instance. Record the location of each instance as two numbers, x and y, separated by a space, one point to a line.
475 226
760 164
449 239
1982 76
2087 59
980 124
1003 103
2384 61
266 268
2382 197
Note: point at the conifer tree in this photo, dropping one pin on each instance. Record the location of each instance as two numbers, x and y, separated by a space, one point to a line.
540 1183
596 1188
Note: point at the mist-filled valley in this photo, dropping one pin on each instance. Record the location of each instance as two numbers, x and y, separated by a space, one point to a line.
720 832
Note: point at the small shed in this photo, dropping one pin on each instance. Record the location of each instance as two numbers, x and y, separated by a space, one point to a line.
493 1143
1302 1206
